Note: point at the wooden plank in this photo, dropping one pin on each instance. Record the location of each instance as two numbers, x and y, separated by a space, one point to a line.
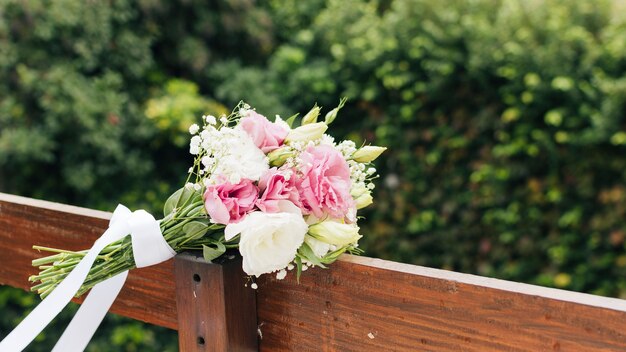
216 309
148 294
365 304
358 304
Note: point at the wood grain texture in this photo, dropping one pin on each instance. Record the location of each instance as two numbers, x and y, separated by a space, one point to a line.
216 309
358 304
364 304
148 294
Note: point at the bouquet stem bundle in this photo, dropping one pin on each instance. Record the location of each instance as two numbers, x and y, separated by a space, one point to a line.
186 227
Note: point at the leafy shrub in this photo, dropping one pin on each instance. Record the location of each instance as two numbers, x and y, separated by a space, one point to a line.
505 123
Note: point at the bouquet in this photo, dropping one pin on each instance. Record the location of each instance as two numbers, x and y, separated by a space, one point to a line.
286 197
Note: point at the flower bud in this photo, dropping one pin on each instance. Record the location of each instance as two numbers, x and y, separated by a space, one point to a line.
367 154
332 114
311 116
362 197
279 156
336 233
307 133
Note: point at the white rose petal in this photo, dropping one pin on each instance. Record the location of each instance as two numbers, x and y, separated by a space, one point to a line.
269 241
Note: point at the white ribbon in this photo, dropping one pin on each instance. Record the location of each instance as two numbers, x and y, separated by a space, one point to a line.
149 248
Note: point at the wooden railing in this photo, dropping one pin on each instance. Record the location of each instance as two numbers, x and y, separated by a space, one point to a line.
358 304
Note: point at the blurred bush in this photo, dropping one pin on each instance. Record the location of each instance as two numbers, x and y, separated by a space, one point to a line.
505 123
505 119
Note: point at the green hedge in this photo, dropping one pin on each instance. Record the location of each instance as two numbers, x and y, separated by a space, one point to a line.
505 122
504 119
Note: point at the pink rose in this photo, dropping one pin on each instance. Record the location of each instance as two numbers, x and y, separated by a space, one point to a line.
265 134
324 186
228 203
275 186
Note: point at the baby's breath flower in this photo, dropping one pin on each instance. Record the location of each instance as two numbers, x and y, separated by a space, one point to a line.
193 129
195 141
210 119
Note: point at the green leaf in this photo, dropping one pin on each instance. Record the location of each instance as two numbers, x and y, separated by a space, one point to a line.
195 229
307 253
180 198
210 253
291 119
331 257
172 201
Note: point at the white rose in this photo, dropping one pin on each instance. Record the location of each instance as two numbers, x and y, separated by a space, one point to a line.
269 241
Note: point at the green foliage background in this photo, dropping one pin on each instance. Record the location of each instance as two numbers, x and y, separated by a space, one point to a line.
505 120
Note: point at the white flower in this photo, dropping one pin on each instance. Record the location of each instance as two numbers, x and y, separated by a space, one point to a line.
336 233
195 141
269 241
207 161
193 129
236 156
210 119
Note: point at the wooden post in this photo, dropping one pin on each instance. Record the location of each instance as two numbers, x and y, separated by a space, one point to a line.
216 309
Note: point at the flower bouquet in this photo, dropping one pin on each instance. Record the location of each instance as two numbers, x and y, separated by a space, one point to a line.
286 197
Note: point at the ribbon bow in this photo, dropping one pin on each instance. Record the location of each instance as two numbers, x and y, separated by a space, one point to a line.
149 248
